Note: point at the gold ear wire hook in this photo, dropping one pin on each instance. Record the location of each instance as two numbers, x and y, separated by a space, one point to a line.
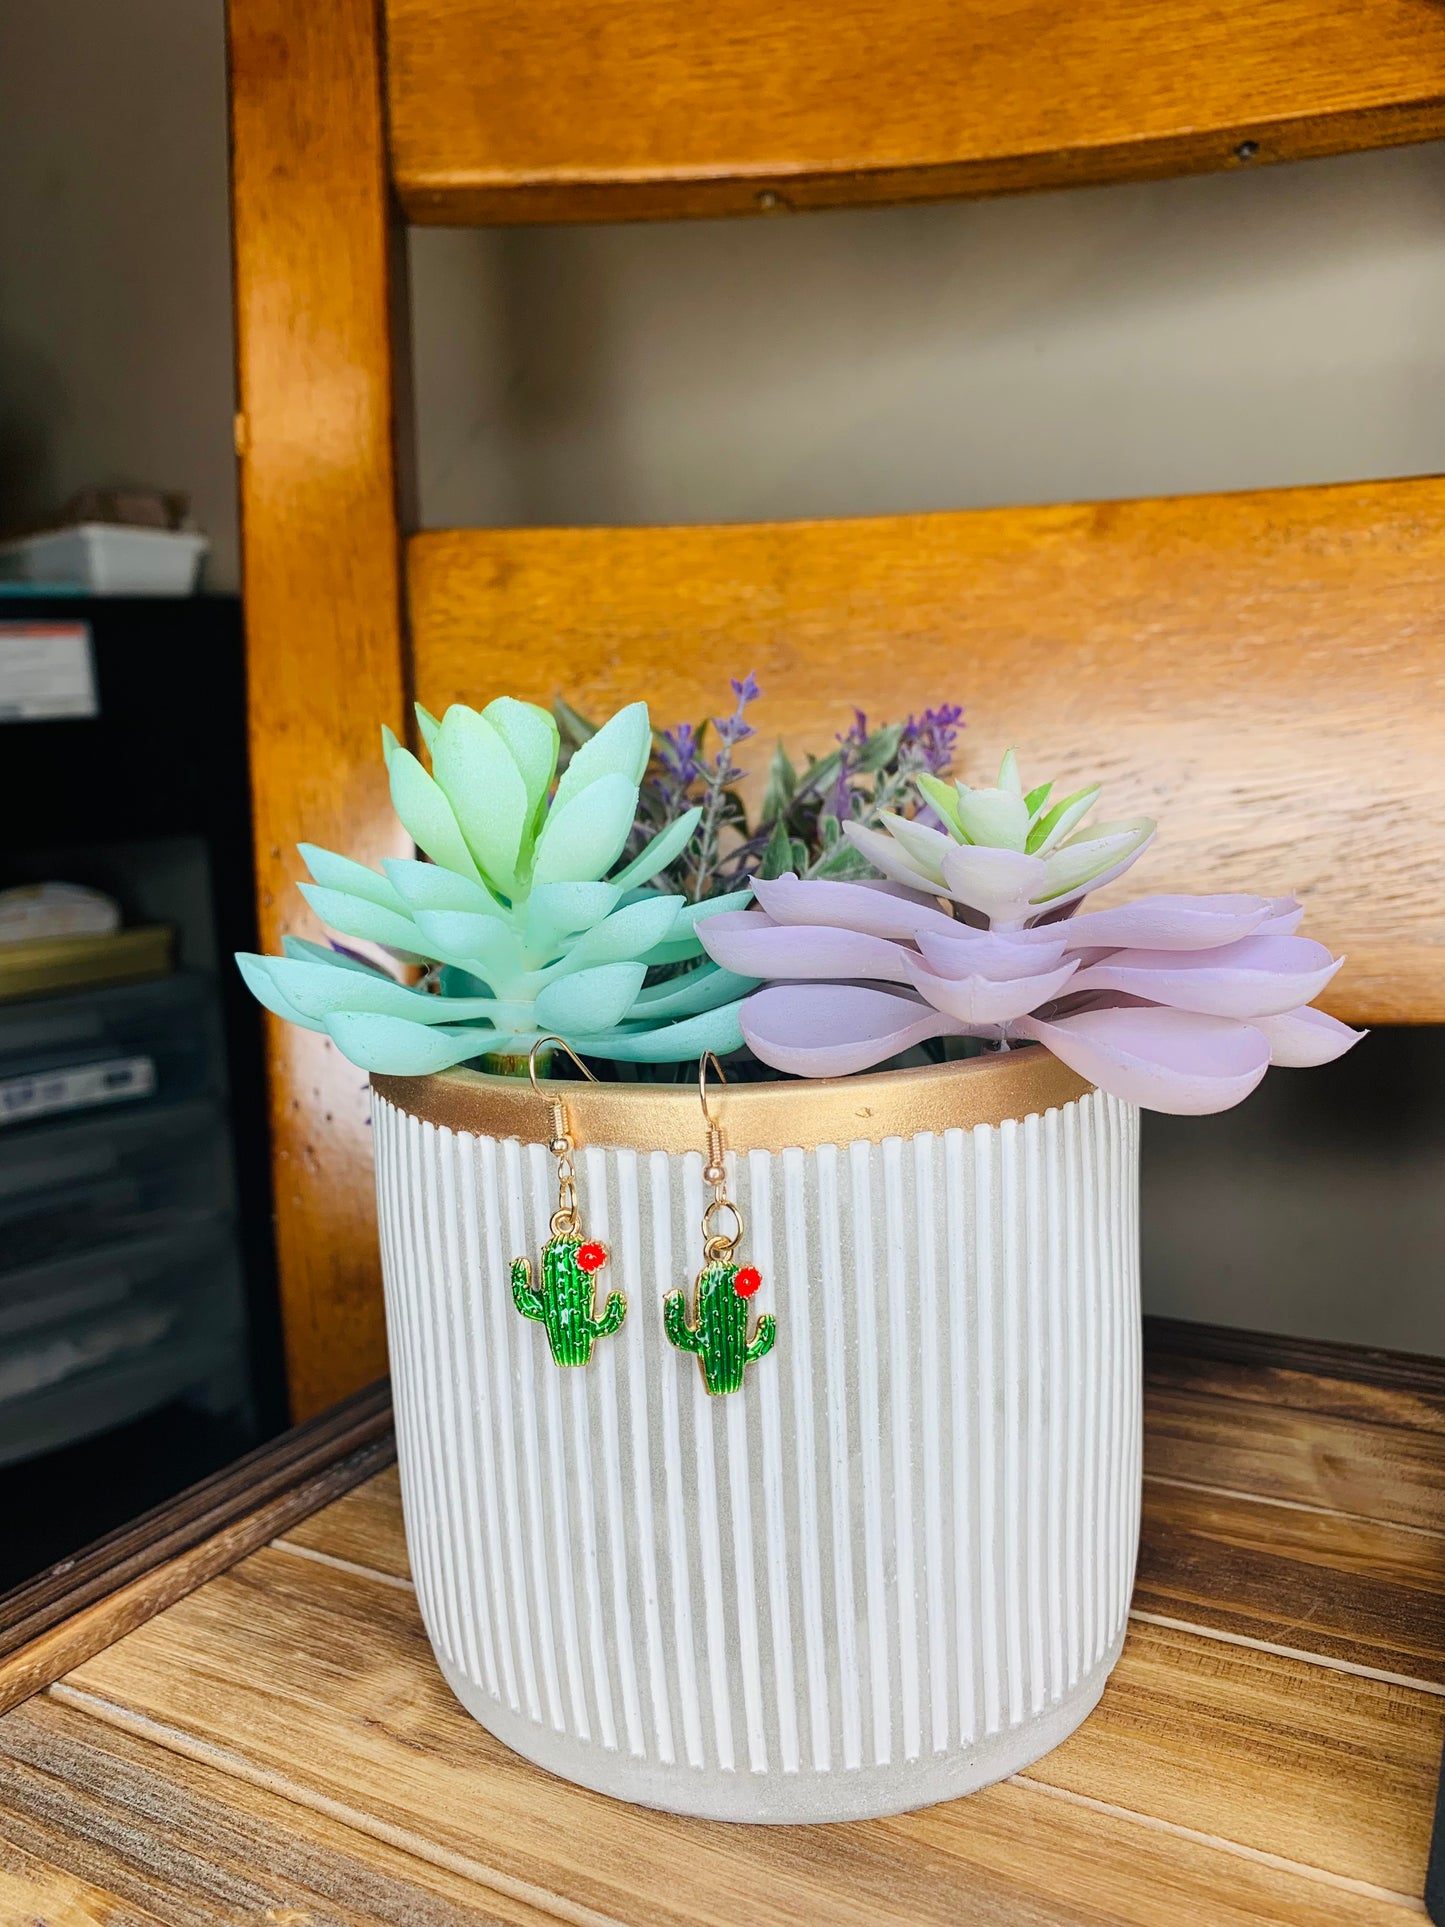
564 1219
714 1172
558 1043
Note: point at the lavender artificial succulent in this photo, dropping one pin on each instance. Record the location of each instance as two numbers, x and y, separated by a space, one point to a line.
1176 1003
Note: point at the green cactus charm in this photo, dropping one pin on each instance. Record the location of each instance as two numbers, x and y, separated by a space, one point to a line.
564 1302
719 1335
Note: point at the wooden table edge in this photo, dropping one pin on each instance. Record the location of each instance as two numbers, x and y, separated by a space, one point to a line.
1314 1357
83 1604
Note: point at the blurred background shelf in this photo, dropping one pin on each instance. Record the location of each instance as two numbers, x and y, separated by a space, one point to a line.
139 1342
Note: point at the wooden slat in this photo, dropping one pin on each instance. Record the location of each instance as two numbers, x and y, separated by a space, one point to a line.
1341 1465
583 110
86 1808
1264 672
1354 1590
316 365
32 1889
84 1603
1212 1738
1224 1738
365 1527
1311 1375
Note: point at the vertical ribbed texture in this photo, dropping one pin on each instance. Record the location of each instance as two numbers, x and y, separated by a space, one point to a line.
913 1528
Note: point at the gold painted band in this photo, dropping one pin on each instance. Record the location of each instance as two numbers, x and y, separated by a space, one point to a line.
754 1117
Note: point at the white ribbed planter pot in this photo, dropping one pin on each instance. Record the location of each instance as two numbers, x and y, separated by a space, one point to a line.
893 1568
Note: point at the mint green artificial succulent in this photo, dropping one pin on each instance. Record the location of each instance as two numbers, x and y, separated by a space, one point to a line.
527 932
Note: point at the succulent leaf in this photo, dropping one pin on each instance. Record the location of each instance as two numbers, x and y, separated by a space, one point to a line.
256 973
620 748
484 786
701 989
531 736
1106 847
997 818
427 886
427 816
306 951
318 989
1055 825
491 949
334 872
359 917
632 931
589 1000
719 1031
663 849
582 838
396 1047
925 849
943 798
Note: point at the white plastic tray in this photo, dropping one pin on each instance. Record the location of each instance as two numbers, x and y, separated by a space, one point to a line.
109 560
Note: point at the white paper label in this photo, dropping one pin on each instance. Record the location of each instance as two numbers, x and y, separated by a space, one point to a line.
23 1099
46 670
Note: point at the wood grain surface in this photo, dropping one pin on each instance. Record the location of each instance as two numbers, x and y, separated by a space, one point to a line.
86 1602
581 110
1263 672
1369 1594
1191 1732
315 282
1405 1389
1344 1465
1265 1753
145 1828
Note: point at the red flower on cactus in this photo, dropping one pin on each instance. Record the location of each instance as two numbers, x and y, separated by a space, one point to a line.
592 1257
747 1280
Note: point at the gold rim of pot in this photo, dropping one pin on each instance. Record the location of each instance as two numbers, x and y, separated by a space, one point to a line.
791 1114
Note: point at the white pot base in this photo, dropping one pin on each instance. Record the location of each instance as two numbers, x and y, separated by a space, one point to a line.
774 1798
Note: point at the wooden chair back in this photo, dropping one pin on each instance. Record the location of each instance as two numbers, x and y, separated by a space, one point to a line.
1265 670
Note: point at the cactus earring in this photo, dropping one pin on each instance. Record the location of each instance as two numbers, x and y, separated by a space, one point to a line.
719 1331
564 1301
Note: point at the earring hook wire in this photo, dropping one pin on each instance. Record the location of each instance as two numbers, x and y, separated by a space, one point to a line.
715 1245
559 1043
564 1218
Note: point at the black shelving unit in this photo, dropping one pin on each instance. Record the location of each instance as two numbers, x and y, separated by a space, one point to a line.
149 800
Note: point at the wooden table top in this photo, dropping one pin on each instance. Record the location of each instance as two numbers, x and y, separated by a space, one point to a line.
276 1746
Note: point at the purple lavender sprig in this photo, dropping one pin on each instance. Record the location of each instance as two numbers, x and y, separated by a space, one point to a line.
717 778
678 755
933 736
872 769
850 748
